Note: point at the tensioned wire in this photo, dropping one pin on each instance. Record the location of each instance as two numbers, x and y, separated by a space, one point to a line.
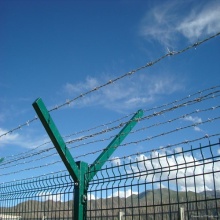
68 102
92 128
153 115
110 160
29 153
190 102
156 156
145 139
62 172
132 132
110 129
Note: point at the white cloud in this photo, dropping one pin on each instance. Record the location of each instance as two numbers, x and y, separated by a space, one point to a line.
158 24
22 140
124 94
90 196
191 172
89 84
196 128
123 194
167 22
9 138
201 22
178 149
49 196
195 119
116 161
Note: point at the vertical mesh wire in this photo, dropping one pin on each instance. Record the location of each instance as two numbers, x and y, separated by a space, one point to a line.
158 185
46 197
154 186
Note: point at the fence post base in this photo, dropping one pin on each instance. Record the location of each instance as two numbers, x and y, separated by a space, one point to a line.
181 213
80 192
120 215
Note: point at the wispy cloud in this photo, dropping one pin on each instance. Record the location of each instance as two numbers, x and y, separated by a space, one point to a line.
195 120
172 20
2 117
21 140
196 128
9 138
158 24
125 94
201 22
49 196
188 166
119 193
116 161
123 194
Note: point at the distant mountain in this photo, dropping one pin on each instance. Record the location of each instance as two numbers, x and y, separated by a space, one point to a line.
153 202
211 194
165 194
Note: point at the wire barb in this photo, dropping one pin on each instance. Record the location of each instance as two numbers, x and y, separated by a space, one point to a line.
119 78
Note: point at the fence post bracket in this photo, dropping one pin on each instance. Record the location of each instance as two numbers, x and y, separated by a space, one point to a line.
81 173
56 138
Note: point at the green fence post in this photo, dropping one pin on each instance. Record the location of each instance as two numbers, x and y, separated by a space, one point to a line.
56 138
81 173
80 192
108 151
76 170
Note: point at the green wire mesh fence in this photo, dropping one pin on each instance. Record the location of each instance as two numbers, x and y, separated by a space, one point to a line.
156 186
46 197
165 183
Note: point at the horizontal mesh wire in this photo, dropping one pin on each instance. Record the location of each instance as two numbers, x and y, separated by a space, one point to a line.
153 186
46 197
158 185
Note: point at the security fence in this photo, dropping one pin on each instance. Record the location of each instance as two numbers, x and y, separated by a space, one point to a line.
168 180
160 185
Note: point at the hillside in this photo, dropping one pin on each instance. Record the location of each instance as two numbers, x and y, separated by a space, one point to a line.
152 202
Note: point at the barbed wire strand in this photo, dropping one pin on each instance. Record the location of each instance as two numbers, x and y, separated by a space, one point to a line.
145 117
155 136
145 110
68 102
171 103
109 138
190 102
64 172
202 98
129 143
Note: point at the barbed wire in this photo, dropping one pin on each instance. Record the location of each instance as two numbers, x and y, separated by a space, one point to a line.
117 120
149 64
147 117
155 136
112 159
132 142
206 136
150 126
190 102
145 110
170 53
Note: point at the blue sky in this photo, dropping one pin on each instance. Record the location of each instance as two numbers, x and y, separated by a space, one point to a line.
57 50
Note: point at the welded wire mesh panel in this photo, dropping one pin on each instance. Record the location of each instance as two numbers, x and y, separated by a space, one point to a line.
158 185
46 197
